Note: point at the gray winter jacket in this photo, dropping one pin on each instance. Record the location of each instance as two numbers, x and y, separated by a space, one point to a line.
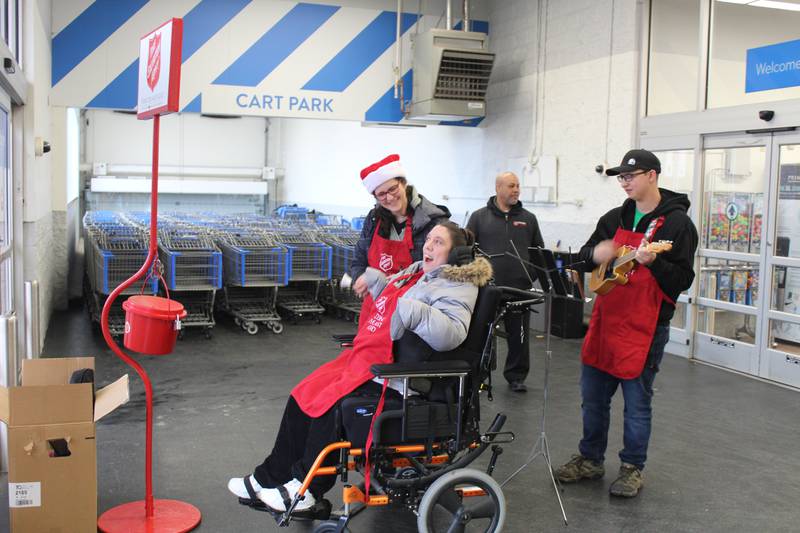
438 308
426 216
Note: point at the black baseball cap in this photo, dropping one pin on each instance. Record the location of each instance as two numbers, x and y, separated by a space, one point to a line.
636 160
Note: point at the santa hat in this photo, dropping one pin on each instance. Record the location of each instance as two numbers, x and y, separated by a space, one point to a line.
384 170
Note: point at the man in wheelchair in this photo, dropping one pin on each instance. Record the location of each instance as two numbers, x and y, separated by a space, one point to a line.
415 410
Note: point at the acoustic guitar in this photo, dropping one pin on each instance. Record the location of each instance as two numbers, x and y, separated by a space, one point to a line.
615 272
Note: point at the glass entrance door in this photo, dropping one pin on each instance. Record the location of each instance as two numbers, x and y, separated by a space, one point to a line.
748 304
9 356
780 338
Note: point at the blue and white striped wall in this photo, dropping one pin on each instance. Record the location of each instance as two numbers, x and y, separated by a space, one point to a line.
240 57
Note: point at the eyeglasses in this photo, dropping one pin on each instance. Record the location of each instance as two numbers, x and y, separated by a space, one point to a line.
381 196
627 178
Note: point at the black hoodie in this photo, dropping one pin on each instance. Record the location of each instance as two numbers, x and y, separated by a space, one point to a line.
672 270
494 230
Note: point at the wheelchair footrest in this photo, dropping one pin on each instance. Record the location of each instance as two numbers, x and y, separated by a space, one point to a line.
320 511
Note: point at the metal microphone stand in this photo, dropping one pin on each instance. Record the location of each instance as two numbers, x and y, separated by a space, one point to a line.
541 446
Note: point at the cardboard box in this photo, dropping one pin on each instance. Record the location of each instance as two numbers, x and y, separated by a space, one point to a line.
52 455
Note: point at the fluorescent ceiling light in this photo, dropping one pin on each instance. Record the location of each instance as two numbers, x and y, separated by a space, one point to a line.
773 4
776 5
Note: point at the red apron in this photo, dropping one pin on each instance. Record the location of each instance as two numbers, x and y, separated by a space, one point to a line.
325 386
388 256
624 320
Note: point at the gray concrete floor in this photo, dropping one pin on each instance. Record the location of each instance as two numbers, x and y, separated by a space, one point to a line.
723 455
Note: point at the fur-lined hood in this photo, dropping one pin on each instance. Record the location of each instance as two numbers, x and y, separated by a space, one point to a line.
478 272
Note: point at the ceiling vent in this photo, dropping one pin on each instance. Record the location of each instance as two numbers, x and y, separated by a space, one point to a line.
451 75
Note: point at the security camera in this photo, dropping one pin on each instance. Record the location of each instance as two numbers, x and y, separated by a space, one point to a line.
766 116
41 146
599 169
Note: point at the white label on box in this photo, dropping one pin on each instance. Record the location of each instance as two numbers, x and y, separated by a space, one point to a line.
25 494
474 105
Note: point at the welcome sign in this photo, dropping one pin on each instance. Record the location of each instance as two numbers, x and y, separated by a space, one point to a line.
774 66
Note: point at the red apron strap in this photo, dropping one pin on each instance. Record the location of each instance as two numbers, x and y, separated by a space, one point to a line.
407 237
368 445
653 227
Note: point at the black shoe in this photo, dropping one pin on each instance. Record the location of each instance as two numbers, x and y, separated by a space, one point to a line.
518 386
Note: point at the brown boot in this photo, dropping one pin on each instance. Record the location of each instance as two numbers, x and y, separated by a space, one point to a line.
578 468
629 482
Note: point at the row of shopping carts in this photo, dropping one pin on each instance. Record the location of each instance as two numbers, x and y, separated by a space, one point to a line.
266 269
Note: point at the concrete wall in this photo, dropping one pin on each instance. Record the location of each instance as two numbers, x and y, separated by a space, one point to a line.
587 74
322 161
44 254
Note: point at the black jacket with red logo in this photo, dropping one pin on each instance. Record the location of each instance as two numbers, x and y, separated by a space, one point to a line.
494 230
672 270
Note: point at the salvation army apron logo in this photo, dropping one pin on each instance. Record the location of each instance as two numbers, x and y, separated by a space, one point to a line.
153 60
386 262
380 304
376 321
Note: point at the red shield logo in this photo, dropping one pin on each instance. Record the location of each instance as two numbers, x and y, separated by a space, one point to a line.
153 60
386 262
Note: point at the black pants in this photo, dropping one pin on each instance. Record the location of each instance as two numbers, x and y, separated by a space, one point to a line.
299 441
518 360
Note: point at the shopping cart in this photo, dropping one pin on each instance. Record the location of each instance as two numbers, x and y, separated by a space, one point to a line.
340 301
310 266
192 272
254 266
114 250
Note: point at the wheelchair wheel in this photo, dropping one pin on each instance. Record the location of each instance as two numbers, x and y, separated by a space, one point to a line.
330 526
444 509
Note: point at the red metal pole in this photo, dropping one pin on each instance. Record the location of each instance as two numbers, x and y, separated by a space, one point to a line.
148 389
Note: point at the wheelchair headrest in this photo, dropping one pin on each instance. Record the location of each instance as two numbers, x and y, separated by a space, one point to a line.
479 328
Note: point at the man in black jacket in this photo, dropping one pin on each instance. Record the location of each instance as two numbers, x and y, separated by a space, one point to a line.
495 226
630 324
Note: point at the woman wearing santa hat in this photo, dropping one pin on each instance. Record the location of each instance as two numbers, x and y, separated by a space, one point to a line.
395 229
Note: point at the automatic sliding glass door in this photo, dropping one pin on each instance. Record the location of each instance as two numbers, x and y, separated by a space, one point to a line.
735 172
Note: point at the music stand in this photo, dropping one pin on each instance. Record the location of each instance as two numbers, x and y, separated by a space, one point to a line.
553 285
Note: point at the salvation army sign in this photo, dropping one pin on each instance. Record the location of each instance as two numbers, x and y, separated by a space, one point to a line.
160 70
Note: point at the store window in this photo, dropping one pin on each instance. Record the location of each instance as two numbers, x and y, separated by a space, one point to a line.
6 285
787 242
677 174
677 170
674 61
726 324
729 281
738 26
734 199
11 27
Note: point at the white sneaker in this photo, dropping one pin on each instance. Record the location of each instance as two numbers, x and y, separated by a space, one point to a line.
236 486
274 499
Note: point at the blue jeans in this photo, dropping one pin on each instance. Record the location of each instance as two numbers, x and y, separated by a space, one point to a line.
597 389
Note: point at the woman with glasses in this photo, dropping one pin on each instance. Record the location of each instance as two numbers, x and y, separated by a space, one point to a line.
395 229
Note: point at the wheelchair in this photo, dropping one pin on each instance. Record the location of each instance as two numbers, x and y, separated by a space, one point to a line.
423 444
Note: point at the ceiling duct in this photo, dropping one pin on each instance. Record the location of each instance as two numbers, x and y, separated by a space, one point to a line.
451 75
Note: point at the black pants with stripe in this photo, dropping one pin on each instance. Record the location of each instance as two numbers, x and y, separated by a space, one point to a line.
299 441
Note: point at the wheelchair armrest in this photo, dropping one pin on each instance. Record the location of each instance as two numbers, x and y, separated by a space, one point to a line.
422 369
343 337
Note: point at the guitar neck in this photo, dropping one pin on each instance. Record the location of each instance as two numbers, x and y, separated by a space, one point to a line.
624 259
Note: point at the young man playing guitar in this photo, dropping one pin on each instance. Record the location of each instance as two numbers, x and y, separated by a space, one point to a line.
630 324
